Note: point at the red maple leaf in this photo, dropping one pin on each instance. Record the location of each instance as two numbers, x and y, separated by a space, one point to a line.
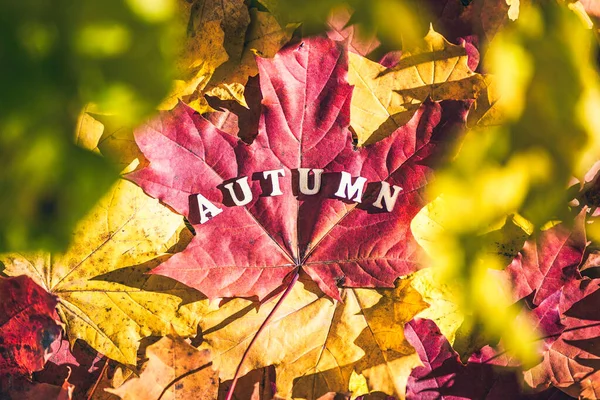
487 374
28 326
548 261
443 376
572 360
253 249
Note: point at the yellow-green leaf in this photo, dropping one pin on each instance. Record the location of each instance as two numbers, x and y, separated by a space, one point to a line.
107 135
386 98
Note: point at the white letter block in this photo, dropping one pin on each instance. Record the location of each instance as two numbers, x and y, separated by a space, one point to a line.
243 182
388 198
274 175
206 207
303 180
347 189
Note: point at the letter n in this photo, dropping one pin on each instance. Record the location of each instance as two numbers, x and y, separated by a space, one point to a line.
388 198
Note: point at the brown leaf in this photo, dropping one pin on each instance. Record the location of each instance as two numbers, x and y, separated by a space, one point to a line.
264 37
113 376
175 370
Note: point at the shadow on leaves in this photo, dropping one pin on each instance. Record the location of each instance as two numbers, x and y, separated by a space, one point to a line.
137 276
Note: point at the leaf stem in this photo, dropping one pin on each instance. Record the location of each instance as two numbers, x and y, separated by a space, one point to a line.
180 377
262 327
102 372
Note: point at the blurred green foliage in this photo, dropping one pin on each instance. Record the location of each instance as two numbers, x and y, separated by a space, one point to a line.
396 22
508 179
56 57
548 88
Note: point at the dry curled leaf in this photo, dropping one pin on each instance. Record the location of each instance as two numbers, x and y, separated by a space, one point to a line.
264 37
214 35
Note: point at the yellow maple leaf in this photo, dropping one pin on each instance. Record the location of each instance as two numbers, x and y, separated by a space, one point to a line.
442 299
316 343
386 98
104 296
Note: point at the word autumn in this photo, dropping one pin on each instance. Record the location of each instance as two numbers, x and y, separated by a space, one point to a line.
386 199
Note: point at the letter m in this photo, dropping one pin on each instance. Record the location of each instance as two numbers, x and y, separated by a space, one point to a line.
347 189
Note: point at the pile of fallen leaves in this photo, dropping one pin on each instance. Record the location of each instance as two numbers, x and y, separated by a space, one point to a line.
295 295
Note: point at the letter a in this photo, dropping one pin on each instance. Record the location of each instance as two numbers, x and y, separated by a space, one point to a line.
243 182
206 207
349 189
274 175
388 198
303 180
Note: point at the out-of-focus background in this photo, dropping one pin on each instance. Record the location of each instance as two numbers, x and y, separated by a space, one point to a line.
107 65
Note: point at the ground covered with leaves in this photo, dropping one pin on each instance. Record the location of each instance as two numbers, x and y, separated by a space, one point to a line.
324 207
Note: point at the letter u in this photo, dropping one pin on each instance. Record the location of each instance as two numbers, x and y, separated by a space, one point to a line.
246 192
